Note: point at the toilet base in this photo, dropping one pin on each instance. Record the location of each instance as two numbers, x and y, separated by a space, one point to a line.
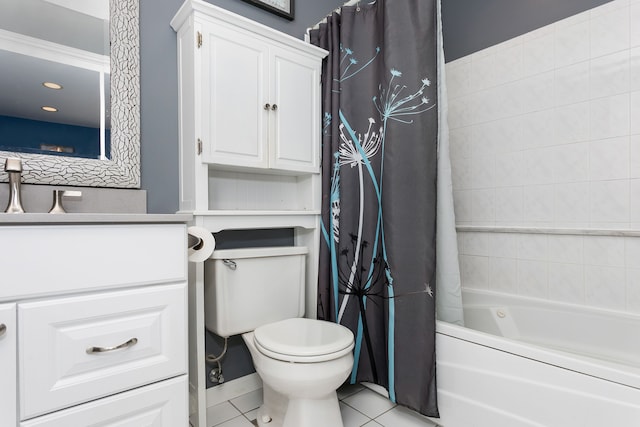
277 411
327 410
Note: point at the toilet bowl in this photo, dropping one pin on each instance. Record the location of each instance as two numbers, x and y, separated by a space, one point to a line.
259 293
301 362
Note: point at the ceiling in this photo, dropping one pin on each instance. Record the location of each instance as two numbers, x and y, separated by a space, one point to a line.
96 8
22 93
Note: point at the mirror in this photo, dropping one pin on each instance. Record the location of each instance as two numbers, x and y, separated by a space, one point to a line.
115 158
54 62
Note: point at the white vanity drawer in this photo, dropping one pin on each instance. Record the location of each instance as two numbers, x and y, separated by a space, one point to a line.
55 259
160 405
56 367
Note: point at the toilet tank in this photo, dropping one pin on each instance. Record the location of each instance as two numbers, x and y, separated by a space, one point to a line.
246 288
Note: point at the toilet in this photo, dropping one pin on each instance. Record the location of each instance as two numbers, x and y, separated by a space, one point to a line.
260 293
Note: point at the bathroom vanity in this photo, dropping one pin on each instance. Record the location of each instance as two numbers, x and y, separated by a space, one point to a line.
93 320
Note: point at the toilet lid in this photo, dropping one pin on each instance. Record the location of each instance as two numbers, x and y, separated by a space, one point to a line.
303 340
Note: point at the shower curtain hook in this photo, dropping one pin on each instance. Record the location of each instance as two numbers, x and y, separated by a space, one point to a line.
358 6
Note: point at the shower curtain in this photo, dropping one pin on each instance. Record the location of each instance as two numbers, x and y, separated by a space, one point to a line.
380 179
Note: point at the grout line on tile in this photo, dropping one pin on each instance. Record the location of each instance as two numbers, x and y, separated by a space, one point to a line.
353 389
388 410
360 412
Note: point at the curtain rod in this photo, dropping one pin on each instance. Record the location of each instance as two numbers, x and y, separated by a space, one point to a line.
338 10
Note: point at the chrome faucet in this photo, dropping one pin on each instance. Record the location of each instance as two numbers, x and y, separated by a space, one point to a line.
13 167
57 207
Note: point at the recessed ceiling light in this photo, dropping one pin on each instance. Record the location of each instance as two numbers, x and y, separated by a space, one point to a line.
50 109
52 85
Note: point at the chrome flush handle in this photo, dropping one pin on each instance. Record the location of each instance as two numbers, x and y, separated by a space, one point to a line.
3 329
97 350
230 263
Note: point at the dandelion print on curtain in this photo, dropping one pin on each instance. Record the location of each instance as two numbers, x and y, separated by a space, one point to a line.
377 261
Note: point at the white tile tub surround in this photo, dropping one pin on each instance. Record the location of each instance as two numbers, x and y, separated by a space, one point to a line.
599 271
545 128
545 134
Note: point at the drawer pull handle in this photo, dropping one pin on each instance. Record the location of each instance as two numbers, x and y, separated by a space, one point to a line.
95 350
3 329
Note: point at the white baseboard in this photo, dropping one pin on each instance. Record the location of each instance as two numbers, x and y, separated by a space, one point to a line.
232 389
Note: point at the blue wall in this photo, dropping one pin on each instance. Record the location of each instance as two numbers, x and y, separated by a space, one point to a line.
29 135
473 25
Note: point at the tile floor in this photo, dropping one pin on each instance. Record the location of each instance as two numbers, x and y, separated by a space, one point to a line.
360 407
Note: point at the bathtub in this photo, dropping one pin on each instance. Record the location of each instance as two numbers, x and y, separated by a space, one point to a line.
528 362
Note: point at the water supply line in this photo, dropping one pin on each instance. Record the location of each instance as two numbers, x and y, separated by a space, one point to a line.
215 375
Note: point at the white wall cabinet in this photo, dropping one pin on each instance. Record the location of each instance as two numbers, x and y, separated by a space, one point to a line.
249 113
259 100
260 103
95 319
250 130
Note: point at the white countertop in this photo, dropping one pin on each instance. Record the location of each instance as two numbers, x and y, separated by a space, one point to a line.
89 218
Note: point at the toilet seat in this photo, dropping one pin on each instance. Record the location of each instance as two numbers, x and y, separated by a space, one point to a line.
303 340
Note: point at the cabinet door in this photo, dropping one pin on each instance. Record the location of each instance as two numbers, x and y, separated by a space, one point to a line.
234 94
295 130
8 367
162 404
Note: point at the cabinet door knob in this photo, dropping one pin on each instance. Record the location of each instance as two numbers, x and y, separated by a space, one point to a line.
130 343
3 329
274 107
267 106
